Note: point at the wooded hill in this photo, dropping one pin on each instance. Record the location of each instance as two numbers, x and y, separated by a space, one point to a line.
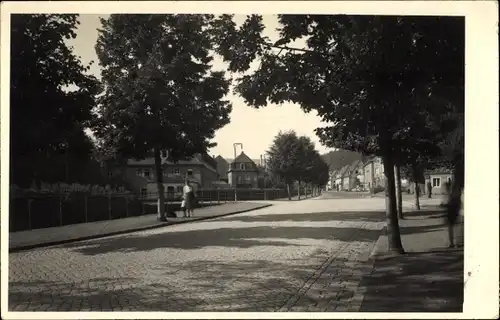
339 158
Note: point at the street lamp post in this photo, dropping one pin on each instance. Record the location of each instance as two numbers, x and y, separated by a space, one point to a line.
234 147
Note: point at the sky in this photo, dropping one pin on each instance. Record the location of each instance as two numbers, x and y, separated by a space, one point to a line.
254 128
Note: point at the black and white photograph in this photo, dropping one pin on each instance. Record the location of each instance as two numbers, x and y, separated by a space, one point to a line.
291 161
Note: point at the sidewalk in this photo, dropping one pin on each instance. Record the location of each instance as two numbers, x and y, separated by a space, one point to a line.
296 198
24 240
428 278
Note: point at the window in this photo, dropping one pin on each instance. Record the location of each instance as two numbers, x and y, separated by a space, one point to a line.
110 174
436 182
139 172
177 171
239 179
170 191
242 166
144 192
146 173
179 189
190 172
247 178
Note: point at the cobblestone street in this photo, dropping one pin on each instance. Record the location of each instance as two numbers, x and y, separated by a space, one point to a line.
293 256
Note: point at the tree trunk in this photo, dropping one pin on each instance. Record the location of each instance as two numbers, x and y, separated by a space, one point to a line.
394 236
399 192
417 186
288 190
160 187
66 160
417 196
298 187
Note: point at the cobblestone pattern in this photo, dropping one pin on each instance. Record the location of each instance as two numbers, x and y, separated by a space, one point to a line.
219 265
336 285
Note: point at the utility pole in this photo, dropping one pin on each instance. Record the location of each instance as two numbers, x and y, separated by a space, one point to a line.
234 147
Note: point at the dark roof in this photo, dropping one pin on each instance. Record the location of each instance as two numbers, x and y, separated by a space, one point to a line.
230 160
222 166
438 171
199 159
343 170
368 160
356 165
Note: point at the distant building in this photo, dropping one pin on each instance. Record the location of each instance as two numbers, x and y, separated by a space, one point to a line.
332 175
438 179
243 172
354 175
342 180
140 175
222 168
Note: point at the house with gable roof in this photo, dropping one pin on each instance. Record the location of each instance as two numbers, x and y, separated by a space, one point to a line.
243 172
373 173
355 175
341 177
332 175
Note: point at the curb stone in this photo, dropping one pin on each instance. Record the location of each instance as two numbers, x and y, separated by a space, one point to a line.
109 234
377 248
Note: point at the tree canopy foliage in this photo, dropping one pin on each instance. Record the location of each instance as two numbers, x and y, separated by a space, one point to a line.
51 99
161 94
380 83
293 158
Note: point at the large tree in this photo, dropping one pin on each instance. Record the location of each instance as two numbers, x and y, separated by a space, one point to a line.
320 174
51 98
283 158
313 168
306 157
161 95
362 74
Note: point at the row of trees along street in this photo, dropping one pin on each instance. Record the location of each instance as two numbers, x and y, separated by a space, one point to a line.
294 159
386 86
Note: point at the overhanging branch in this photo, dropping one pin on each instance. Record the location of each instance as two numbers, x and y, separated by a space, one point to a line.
270 45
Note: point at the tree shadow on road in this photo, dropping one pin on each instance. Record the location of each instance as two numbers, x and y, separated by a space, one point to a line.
237 237
98 294
243 285
373 216
246 234
426 282
418 282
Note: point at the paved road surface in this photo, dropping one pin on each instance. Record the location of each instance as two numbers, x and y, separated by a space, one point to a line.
344 195
294 256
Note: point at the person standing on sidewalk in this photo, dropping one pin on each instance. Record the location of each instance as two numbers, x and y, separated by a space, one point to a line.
455 201
429 189
188 195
